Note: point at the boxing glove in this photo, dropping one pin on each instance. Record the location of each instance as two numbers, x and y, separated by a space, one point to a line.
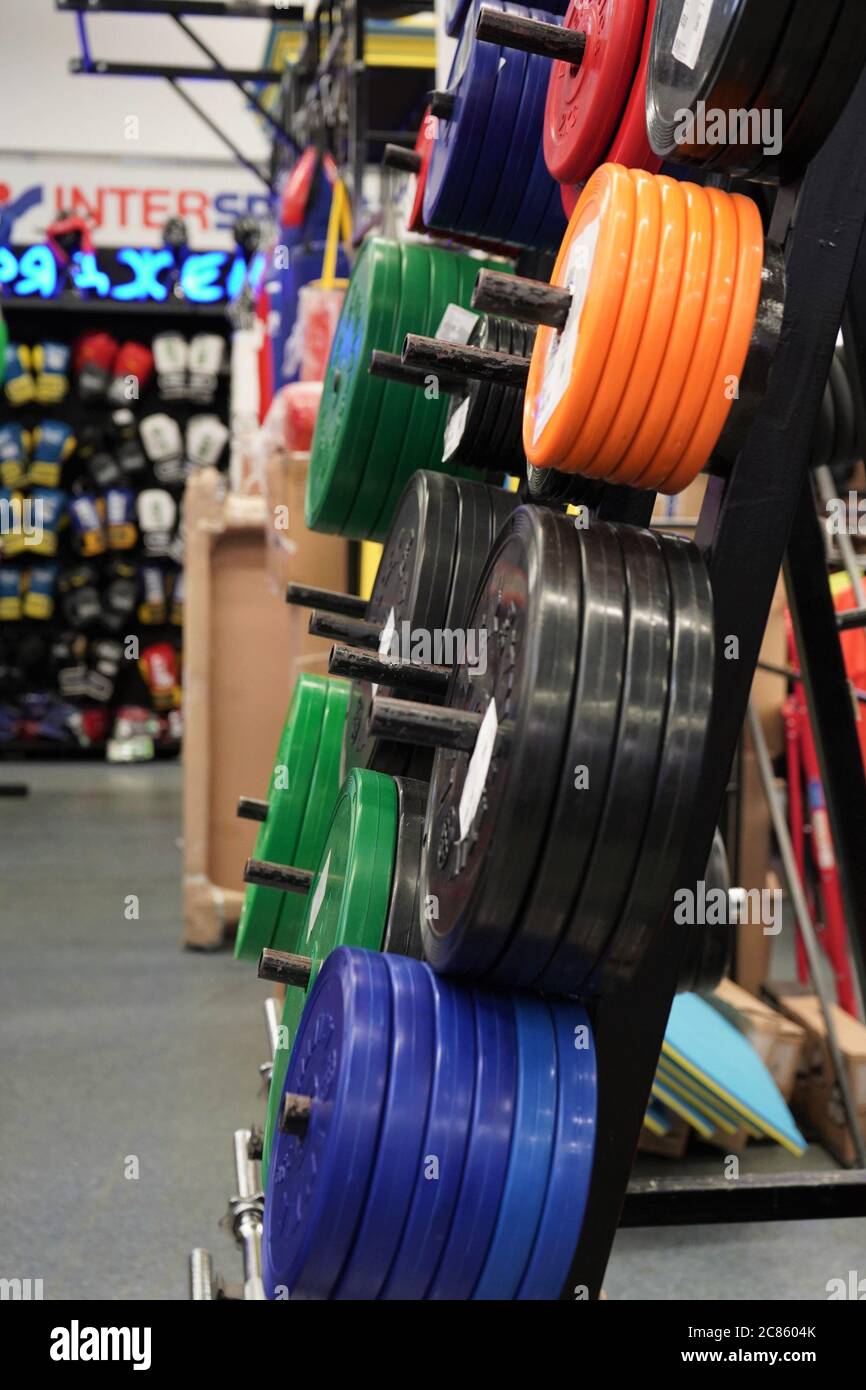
133 368
120 518
39 597
126 445
14 454
157 512
121 592
51 369
206 354
177 599
68 657
206 437
86 512
10 593
104 470
47 509
19 522
19 385
79 597
152 606
93 357
53 444
104 657
158 666
163 444
170 355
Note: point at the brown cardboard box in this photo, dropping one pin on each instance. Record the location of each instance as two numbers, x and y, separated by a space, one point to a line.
243 649
817 1099
777 1039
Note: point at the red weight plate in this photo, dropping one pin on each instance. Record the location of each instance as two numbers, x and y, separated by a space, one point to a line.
585 103
424 147
631 145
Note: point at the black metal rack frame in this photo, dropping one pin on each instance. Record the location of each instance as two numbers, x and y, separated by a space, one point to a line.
762 514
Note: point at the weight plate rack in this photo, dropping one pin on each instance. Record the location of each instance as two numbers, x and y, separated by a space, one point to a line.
607 655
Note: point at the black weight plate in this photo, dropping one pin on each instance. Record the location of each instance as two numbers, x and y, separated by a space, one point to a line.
549 488
503 503
599 897
677 781
474 538
403 927
497 337
457 450
570 833
512 453
413 579
709 946
711 51
492 458
527 602
794 66
831 88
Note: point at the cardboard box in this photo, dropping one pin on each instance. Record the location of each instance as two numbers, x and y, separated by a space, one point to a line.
670 1145
817 1100
243 649
777 1039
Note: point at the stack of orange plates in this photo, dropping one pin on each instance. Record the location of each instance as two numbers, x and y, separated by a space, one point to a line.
665 279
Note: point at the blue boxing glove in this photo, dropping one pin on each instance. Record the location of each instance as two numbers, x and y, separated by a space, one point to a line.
53 444
14 453
51 368
10 594
47 506
87 523
39 598
120 518
19 386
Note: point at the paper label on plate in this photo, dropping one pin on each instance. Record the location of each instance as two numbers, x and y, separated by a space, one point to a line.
561 349
476 773
454 429
386 637
456 325
318 895
691 32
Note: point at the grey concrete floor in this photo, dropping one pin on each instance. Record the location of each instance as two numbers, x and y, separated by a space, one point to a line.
116 1046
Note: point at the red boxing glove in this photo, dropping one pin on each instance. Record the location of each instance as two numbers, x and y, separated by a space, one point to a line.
158 666
133 368
94 357
302 406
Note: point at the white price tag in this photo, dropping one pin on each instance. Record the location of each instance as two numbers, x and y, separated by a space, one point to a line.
476 773
318 895
386 637
456 324
454 429
691 32
560 353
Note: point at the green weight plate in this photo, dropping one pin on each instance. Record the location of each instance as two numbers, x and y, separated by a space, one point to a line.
324 787
348 903
398 402
396 445
429 416
351 398
278 835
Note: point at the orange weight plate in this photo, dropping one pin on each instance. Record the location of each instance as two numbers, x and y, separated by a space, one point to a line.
593 264
681 339
735 348
654 340
717 308
630 324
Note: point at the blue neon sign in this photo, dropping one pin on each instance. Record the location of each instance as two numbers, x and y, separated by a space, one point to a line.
135 275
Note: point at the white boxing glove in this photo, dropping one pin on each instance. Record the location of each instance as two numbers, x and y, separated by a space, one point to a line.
206 437
157 513
206 353
170 357
163 443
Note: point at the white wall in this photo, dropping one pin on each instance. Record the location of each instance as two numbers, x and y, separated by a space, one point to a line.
45 110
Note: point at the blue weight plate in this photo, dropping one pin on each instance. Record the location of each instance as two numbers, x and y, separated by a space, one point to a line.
573 1152
494 165
459 143
536 188
553 221
443 1152
531 1148
318 1183
484 1170
399 1155
507 199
